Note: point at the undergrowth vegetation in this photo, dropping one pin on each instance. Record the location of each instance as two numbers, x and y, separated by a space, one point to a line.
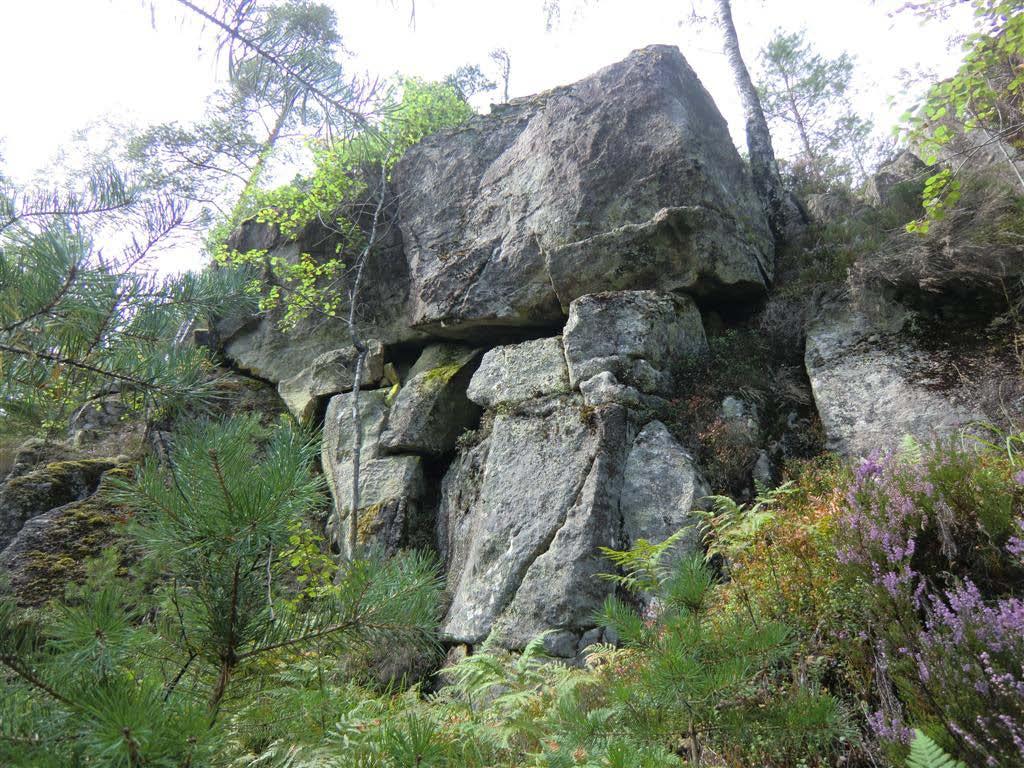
821 625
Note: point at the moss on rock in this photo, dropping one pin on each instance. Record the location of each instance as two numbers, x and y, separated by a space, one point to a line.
52 548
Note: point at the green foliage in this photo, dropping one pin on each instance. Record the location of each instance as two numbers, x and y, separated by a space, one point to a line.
941 192
76 323
640 567
350 178
985 94
925 753
729 528
699 679
118 675
807 94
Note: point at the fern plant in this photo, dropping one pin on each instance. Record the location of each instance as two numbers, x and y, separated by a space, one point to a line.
925 753
728 528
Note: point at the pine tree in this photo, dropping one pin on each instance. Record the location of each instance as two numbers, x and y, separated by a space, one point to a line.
699 677
77 323
807 93
121 679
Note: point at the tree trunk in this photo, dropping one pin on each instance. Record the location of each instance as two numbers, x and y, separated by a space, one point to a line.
763 167
352 531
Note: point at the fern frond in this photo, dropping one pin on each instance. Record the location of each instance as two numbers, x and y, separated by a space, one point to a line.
925 753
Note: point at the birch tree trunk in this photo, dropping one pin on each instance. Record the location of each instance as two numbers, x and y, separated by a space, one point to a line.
763 166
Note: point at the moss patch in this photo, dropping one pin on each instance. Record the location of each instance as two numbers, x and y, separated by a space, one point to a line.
368 522
53 548
442 374
53 485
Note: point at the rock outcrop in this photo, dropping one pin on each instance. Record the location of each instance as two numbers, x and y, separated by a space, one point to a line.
524 512
896 181
538 304
43 488
624 180
522 553
517 372
873 386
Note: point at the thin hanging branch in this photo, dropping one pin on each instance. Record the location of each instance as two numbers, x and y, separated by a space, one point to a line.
360 347
357 119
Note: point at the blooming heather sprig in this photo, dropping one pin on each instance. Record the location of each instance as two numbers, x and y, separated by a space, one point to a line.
971 659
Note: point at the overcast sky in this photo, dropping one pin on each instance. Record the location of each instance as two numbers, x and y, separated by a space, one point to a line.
71 62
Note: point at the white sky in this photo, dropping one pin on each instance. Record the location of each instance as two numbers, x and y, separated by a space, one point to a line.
71 62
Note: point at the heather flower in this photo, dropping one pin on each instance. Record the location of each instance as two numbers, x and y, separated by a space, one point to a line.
890 729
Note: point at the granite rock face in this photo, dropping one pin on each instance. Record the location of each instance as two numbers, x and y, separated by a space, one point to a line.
52 548
524 513
872 385
257 344
901 178
522 535
45 487
329 374
636 336
391 488
663 486
431 409
517 372
626 179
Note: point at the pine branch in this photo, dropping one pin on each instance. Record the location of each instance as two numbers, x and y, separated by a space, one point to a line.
233 32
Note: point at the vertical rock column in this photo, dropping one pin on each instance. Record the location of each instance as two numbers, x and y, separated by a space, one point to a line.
424 419
560 474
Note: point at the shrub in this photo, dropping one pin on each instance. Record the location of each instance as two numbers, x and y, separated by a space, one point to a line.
935 534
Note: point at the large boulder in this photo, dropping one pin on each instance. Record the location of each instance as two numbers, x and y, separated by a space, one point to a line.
627 179
391 488
898 181
329 374
525 512
521 542
873 385
517 372
639 337
431 410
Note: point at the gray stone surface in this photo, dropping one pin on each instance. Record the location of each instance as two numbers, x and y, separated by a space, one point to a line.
627 179
662 487
872 386
45 487
522 523
517 372
896 180
329 374
637 336
605 389
390 487
431 409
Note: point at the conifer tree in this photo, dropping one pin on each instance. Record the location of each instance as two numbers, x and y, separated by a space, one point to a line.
807 93
77 322
119 678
